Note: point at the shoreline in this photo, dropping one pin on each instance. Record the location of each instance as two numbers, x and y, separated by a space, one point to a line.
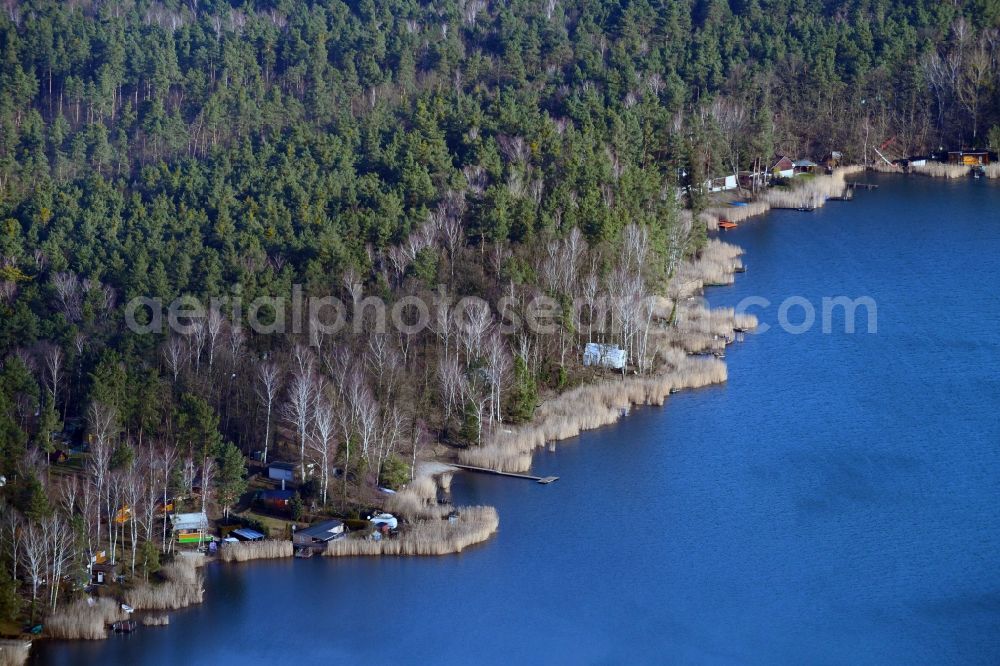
557 416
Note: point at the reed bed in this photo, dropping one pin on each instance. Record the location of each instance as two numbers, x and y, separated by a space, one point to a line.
592 406
182 586
697 328
992 170
155 620
811 193
474 524
418 501
14 652
84 619
715 264
941 170
244 551
735 213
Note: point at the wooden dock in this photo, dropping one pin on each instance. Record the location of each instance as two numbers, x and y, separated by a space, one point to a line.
487 470
863 186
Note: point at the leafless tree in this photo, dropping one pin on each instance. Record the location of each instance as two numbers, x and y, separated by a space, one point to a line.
268 388
213 329
104 428
390 432
133 490
472 328
478 399
207 479
168 459
731 117
196 337
52 357
174 355
322 441
498 367
33 560
67 288
450 381
297 411
60 552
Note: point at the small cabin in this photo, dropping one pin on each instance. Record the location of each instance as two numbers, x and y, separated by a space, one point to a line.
969 157
603 356
281 471
783 167
276 500
804 166
319 534
247 534
190 527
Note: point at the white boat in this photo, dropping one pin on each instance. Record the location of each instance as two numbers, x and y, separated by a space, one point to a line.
384 519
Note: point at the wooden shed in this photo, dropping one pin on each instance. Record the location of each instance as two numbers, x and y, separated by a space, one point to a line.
969 157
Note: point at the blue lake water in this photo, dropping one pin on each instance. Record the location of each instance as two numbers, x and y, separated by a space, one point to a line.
834 503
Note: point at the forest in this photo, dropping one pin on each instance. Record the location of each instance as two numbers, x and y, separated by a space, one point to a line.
395 149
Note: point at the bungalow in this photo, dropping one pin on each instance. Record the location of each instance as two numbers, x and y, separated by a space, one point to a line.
190 527
319 534
604 356
804 166
274 499
969 157
783 167
281 471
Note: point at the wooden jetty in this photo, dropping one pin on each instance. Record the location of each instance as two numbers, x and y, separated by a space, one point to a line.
863 186
487 470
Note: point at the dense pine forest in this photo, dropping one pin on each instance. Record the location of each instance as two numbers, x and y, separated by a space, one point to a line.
259 149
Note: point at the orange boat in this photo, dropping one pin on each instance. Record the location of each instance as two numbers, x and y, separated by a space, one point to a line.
726 224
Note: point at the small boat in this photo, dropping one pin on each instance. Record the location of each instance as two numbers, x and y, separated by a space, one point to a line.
124 626
127 608
726 224
384 519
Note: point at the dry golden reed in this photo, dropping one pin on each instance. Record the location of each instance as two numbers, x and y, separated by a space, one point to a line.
591 406
716 214
84 619
992 170
474 524
182 586
14 652
155 620
244 551
812 192
939 170
417 501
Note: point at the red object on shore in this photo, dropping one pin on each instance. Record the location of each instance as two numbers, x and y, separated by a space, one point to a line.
726 224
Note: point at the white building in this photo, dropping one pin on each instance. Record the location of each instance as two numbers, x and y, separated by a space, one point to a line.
721 184
604 356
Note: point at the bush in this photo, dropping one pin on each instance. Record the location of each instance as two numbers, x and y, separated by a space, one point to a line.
10 603
395 473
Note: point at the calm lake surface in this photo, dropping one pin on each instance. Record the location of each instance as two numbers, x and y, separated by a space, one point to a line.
835 503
